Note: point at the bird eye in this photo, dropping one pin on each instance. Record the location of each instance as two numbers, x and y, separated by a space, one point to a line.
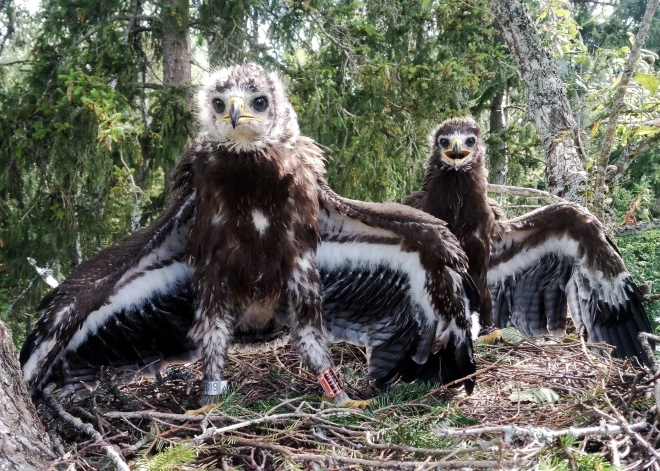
260 103
444 142
219 105
470 141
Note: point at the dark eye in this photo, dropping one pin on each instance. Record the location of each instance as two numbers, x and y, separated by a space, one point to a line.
260 103
444 142
219 105
470 141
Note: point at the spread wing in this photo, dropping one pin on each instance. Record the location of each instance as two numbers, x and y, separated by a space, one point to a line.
385 271
130 303
394 280
558 259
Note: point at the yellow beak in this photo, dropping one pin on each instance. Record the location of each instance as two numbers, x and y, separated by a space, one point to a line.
456 153
236 111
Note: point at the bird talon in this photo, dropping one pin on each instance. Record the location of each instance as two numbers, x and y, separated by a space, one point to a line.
208 403
345 401
492 338
357 404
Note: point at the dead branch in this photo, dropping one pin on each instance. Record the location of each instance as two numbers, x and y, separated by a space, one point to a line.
639 228
299 430
541 434
626 426
629 153
148 414
214 431
333 459
412 449
644 340
521 191
82 427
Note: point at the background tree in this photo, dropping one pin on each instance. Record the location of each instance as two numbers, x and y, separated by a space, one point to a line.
95 100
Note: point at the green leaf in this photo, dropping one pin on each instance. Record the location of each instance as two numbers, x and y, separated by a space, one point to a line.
648 81
512 335
646 131
537 395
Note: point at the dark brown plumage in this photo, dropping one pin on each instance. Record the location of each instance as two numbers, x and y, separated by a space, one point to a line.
559 258
256 240
540 264
453 190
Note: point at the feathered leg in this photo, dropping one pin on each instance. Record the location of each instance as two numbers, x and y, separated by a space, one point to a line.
308 330
212 333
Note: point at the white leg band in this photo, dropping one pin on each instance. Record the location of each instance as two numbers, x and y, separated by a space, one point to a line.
214 388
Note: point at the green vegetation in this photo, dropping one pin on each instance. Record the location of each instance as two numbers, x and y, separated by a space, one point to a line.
169 459
90 129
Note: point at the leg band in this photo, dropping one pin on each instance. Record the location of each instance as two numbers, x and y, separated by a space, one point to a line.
330 383
214 388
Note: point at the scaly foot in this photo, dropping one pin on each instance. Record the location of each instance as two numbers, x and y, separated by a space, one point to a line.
491 338
342 400
207 402
357 404
203 410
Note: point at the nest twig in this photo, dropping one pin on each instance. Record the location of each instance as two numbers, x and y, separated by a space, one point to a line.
272 417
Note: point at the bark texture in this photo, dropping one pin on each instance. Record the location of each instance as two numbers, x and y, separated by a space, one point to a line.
546 98
176 43
24 445
499 160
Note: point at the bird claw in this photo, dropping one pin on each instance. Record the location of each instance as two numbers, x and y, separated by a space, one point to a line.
492 338
344 401
208 403
357 404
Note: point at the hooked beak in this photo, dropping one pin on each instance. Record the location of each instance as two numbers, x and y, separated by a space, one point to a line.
456 154
236 112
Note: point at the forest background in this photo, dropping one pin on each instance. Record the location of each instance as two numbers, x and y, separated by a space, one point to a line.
95 110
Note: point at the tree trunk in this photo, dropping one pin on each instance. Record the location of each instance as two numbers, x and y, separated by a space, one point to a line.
24 445
176 43
546 98
499 159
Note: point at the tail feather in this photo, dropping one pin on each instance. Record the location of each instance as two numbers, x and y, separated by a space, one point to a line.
450 364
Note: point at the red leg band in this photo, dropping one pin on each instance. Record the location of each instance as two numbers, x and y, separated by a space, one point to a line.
330 383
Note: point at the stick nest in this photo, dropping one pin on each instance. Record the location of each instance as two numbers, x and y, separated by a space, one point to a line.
586 411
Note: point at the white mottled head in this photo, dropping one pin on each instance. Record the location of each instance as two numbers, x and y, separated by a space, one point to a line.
456 144
245 108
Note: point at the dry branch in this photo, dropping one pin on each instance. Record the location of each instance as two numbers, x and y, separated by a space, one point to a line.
82 427
525 192
215 431
541 433
629 153
296 429
638 228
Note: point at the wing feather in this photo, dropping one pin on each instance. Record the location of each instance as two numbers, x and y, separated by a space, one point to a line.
558 259
147 266
131 305
410 273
